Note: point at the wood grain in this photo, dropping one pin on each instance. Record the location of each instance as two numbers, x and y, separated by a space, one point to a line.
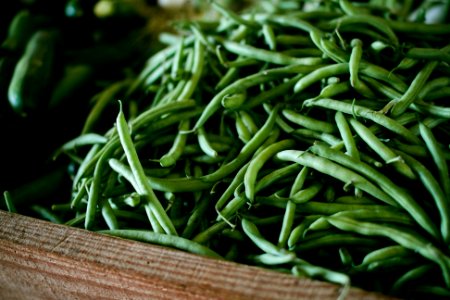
41 260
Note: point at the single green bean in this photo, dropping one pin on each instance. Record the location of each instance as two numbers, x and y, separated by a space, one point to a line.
170 158
9 202
366 113
381 149
139 175
320 73
437 154
258 162
163 240
401 104
253 233
308 122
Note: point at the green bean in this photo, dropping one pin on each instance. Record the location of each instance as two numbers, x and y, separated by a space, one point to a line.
355 59
286 225
139 175
311 52
346 135
414 150
392 263
108 215
411 275
335 89
378 72
334 239
163 240
232 15
246 82
319 74
434 84
331 49
204 236
170 158
82 140
231 208
177 60
154 63
381 149
428 54
317 135
249 148
258 162
373 21
432 109
94 190
270 259
255 236
165 122
234 101
419 28
308 122
292 21
267 55
276 175
269 36
400 196
436 192
364 112
76 221
400 105
63 207
351 9
103 99
81 193
229 76
324 274
173 185
377 214
197 67
298 232
278 90
413 242
345 256
437 154
242 130
334 170
248 122
194 219
293 40
9 202
204 143
405 64
306 194
385 253
237 180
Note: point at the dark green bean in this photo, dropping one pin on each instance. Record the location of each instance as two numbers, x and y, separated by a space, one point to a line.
139 175
414 242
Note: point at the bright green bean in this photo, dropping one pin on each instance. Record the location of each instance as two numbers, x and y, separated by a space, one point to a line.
139 175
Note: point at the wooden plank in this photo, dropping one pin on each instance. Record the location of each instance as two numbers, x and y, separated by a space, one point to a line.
41 260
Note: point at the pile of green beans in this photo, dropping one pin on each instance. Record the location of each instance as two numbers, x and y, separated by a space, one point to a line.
306 137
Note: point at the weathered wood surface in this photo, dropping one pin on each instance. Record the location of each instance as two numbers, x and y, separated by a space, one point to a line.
41 260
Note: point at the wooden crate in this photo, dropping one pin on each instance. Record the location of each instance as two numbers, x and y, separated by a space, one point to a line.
42 260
